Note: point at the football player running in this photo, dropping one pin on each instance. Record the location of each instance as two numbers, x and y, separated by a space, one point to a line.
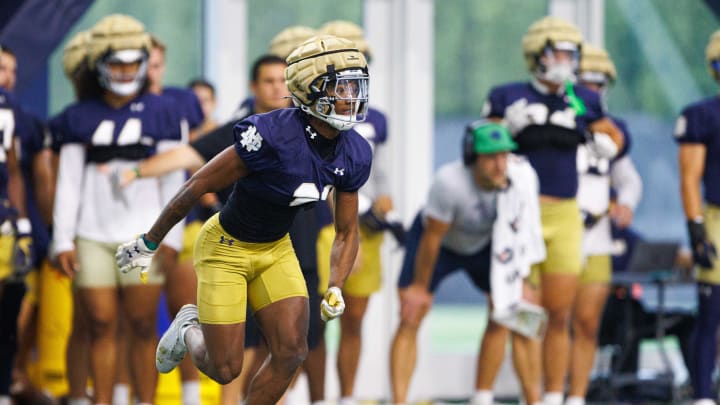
280 161
549 117
116 124
597 72
697 131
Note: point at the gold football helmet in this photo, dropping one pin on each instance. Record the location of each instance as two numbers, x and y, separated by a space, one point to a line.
328 78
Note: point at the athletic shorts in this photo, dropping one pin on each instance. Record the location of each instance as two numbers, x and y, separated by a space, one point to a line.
316 327
367 277
562 230
476 266
231 272
99 269
7 243
712 227
597 269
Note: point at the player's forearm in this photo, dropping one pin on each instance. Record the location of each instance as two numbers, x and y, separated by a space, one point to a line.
181 157
425 261
16 192
176 210
627 182
691 197
342 255
44 183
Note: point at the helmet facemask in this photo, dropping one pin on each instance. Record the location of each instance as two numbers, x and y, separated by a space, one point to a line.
559 70
123 84
341 98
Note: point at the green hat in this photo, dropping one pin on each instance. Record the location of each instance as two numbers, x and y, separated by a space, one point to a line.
491 137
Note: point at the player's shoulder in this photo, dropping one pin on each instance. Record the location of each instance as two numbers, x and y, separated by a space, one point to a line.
451 171
277 128
178 92
703 106
357 146
586 94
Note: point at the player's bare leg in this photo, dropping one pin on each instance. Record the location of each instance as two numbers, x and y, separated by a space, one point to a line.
403 356
180 289
140 303
587 313
285 326
527 359
315 370
233 392
350 343
78 352
101 304
557 297
121 388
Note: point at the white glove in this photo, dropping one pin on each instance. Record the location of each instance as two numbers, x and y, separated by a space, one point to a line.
332 305
135 254
603 146
517 117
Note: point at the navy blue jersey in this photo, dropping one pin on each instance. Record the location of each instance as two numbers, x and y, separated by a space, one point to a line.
33 137
130 132
286 172
700 123
374 130
188 105
555 164
8 127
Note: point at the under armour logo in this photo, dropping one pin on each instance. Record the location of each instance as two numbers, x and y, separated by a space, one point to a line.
339 172
312 133
227 241
137 107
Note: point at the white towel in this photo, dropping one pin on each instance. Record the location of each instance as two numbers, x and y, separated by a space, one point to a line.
516 244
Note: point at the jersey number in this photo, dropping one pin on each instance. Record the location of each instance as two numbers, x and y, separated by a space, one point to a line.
7 128
129 134
562 118
307 193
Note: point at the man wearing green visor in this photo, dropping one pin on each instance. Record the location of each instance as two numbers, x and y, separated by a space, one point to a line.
482 216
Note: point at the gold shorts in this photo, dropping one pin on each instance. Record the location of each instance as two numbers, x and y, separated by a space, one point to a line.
562 230
99 269
597 269
712 227
367 278
190 235
7 242
230 273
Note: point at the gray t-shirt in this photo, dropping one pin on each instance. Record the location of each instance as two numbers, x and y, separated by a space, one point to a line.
457 200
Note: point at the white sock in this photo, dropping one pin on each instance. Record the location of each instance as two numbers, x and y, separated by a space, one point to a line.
482 397
121 394
553 398
346 401
704 401
78 401
5 400
575 400
191 392
320 402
